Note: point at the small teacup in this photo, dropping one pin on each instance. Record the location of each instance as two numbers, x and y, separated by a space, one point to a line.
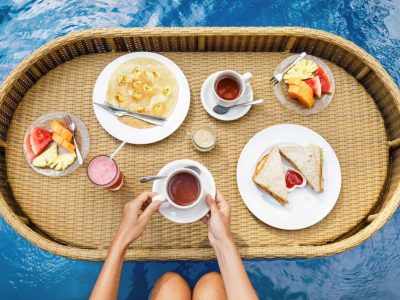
182 189
229 86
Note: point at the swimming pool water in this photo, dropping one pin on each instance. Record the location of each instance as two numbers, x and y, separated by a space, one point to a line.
369 271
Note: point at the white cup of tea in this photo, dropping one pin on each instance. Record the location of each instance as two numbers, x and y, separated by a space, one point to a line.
229 86
182 189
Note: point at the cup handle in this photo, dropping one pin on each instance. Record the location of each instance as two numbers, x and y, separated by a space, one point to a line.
159 197
247 76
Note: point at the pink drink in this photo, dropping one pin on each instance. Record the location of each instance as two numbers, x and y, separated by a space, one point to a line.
104 172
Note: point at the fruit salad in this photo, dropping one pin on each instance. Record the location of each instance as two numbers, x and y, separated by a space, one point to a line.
43 153
307 82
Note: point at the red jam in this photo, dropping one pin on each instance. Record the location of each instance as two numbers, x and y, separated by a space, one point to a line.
293 178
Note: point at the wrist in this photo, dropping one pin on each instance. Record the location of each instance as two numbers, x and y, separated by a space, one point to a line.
120 242
226 242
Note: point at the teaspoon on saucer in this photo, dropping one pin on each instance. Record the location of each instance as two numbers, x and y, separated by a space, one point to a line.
152 178
219 109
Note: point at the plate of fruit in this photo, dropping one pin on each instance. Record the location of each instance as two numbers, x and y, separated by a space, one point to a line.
48 144
307 87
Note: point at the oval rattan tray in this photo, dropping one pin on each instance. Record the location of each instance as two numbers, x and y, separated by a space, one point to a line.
70 217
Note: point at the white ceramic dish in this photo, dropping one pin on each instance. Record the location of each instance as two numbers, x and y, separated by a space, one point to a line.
196 212
306 207
281 89
209 100
129 134
81 135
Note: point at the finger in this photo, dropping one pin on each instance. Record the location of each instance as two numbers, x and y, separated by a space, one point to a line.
211 203
149 211
143 197
204 220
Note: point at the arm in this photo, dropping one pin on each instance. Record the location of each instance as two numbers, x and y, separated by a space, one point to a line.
236 281
131 227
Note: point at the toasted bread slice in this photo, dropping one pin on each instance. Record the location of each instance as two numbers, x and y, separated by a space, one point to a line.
270 176
308 160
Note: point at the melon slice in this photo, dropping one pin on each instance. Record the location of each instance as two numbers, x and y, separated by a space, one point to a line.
46 158
315 84
39 139
28 147
324 79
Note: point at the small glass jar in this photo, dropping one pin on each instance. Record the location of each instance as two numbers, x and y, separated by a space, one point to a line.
204 138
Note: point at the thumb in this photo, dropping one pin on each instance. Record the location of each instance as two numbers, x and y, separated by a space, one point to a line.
149 211
211 203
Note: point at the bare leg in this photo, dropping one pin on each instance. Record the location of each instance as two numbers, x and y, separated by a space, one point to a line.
171 286
211 287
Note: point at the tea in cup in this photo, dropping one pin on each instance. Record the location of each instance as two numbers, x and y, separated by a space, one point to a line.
183 189
229 86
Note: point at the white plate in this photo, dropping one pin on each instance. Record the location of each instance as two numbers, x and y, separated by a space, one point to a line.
81 135
198 211
209 100
281 89
127 133
306 207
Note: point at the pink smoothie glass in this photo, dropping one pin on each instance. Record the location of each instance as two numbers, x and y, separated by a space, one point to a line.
104 172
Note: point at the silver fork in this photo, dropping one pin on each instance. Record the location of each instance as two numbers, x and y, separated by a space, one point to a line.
278 77
71 126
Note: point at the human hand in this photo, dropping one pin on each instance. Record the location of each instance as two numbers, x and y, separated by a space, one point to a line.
218 220
137 214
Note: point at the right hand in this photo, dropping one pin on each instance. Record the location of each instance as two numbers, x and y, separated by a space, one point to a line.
218 220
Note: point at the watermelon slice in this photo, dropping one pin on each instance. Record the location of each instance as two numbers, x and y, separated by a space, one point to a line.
324 79
39 139
28 148
315 84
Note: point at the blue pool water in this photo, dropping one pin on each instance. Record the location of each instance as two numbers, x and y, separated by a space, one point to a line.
369 271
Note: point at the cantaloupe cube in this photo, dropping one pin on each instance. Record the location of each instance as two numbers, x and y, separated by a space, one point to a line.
68 146
66 134
305 96
57 138
56 126
294 91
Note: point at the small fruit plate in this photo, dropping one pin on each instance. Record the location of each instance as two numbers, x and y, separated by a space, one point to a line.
310 75
48 146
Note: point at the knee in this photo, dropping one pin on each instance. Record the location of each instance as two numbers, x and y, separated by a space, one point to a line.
210 286
169 284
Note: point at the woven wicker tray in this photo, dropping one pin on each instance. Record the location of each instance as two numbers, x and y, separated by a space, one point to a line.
71 217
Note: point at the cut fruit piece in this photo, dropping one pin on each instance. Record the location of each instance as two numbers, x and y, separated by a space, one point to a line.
324 79
304 69
46 158
39 139
63 161
305 96
63 142
68 146
28 147
59 128
303 93
66 134
56 126
294 81
57 138
315 84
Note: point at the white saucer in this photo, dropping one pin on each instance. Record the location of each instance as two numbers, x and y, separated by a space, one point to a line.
209 101
198 211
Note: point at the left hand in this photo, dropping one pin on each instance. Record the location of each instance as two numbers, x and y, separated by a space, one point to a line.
133 221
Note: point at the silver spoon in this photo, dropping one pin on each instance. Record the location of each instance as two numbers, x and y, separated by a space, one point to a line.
219 109
151 178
